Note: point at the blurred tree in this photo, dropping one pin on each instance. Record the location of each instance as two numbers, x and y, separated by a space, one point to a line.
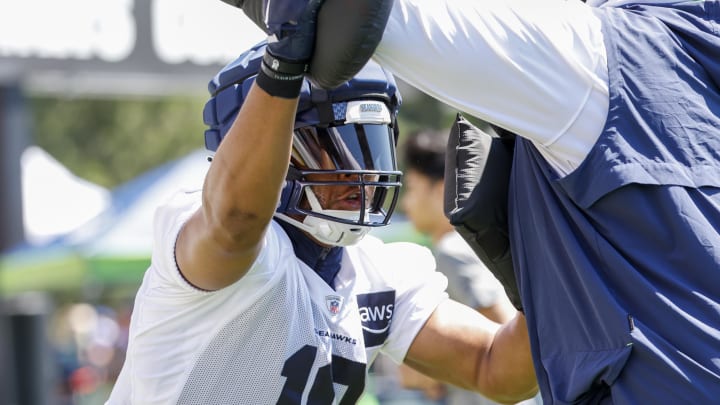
420 111
110 141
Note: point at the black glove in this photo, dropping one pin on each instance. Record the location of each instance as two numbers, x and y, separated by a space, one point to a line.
287 60
347 34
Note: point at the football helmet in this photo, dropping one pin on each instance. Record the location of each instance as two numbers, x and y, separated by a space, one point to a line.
342 177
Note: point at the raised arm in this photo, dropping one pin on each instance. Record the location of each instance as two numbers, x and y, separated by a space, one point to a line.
459 346
221 240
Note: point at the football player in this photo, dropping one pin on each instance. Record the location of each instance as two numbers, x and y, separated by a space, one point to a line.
264 286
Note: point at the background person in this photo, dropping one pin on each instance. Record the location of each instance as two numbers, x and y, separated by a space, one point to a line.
469 280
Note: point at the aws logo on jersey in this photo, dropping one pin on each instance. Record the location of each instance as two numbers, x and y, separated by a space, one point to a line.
376 312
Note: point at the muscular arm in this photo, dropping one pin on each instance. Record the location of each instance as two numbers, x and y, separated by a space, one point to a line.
459 346
222 239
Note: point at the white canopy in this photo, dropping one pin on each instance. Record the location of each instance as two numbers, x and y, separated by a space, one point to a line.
125 229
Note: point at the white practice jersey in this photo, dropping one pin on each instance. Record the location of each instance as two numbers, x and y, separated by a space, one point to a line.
280 335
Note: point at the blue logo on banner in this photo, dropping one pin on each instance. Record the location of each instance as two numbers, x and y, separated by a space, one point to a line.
376 311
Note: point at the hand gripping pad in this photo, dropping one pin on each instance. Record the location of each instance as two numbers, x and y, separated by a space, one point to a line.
348 32
477 175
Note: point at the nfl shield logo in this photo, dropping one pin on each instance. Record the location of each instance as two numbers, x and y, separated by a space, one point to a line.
333 303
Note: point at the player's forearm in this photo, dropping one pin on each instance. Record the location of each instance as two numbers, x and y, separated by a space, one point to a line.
243 185
508 374
459 346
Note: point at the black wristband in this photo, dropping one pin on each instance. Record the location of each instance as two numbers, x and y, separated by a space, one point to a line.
280 66
279 85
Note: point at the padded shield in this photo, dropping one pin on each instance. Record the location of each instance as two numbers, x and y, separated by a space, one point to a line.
477 177
348 32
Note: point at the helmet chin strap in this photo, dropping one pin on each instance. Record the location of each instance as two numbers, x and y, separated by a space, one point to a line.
327 231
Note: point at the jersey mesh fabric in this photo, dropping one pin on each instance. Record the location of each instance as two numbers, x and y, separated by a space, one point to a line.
272 337
232 355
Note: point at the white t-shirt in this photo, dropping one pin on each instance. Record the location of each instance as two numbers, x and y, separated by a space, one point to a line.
535 67
275 331
470 282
